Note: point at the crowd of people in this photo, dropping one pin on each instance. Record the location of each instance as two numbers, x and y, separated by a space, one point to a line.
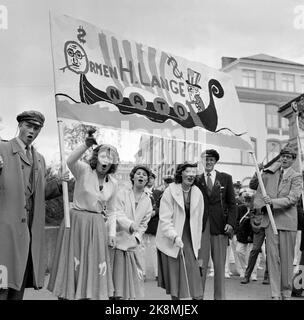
118 234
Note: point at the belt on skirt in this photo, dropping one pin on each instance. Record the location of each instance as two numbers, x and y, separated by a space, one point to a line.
102 212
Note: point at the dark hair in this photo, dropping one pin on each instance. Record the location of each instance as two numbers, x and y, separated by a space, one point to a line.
133 171
180 168
168 179
94 159
211 153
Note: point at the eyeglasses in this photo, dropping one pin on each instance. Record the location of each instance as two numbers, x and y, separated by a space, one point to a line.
287 156
77 54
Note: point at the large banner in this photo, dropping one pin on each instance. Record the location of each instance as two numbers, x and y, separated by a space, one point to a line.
105 79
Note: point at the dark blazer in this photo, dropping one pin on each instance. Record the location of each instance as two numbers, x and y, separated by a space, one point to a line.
153 223
220 207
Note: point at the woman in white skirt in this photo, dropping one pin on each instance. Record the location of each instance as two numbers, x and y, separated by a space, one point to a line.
81 267
133 209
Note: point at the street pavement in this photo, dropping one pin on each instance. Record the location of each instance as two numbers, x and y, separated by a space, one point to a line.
254 290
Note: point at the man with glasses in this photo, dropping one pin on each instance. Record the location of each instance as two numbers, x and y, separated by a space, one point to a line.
283 187
219 219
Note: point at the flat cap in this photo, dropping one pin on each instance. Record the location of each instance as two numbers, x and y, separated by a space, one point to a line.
32 116
289 150
211 153
168 179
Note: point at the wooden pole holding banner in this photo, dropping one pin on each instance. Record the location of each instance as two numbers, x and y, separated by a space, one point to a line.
65 192
261 183
66 207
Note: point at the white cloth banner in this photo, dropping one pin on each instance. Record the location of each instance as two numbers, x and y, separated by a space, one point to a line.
105 79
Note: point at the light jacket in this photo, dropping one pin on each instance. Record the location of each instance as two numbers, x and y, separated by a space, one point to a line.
172 219
284 197
126 214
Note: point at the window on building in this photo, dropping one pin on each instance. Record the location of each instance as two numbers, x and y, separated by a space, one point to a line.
246 156
248 78
288 82
273 148
302 84
268 80
272 119
285 125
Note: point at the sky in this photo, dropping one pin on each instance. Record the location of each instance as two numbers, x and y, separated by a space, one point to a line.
198 30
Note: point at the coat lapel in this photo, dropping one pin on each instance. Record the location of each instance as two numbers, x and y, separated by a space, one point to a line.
217 181
285 177
177 194
36 164
17 149
194 198
132 200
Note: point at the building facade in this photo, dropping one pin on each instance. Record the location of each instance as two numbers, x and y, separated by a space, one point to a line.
263 84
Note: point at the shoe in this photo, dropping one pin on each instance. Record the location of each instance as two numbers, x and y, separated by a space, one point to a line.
211 274
227 275
275 298
245 280
254 278
265 281
286 298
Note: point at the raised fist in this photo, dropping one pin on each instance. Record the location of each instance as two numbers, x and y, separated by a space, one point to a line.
89 141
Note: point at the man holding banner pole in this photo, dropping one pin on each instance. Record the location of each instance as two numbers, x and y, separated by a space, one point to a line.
282 189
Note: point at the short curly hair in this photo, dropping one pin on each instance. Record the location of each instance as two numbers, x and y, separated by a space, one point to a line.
133 171
94 158
180 168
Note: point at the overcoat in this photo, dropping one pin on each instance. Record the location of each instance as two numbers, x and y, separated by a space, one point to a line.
172 219
15 238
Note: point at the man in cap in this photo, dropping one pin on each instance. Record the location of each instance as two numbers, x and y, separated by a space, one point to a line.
23 191
219 219
283 187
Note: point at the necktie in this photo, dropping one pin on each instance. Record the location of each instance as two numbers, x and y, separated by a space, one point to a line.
29 154
281 176
209 182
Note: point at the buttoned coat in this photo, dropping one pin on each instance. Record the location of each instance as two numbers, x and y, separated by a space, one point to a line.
126 214
284 196
14 232
220 205
172 219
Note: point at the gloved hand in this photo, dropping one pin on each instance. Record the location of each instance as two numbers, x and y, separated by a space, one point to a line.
89 141
178 242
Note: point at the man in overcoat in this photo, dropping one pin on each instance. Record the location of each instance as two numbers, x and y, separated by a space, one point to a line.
219 219
283 187
23 191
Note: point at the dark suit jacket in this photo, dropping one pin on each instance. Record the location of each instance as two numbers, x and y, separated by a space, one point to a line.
219 212
153 223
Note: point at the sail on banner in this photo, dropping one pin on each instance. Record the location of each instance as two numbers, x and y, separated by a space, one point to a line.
105 79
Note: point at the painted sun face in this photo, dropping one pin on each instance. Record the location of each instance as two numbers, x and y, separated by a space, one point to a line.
75 57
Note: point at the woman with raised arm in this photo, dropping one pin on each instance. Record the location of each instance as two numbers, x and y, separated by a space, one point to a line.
81 267
178 236
133 209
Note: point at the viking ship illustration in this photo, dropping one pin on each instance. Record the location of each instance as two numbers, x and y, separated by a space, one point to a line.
208 118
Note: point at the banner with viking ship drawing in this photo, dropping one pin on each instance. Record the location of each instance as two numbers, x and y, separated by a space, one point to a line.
105 79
